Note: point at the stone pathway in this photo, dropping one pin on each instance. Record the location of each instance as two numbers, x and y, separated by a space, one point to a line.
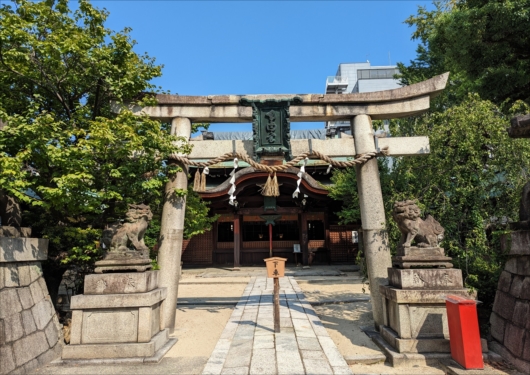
248 344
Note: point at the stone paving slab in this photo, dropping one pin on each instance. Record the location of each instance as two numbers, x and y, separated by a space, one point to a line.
249 345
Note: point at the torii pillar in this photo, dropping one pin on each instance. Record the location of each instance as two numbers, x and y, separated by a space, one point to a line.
172 231
375 236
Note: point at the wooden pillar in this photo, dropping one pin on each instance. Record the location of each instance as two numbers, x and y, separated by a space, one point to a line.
375 236
304 238
215 237
237 240
171 233
326 238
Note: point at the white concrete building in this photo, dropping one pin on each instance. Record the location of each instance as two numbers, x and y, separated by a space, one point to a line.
356 78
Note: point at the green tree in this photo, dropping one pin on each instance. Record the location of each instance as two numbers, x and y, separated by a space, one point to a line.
485 44
471 181
73 163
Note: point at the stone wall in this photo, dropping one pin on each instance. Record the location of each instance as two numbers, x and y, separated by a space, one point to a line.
30 333
510 320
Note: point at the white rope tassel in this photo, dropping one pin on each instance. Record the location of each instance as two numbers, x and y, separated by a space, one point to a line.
329 169
300 175
232 190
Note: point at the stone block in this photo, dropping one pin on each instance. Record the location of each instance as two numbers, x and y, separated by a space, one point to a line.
519 265
29 347
9 302
76 327
52 335
526 348
7 361
2 333
28 322
30 366
100 351
8 231
517 285
335 359
430 345
50 355
504 305
43 287
513 339
308 343
24 294
239 354
235 371
316 366
13 327
498 325
23 249
109 326
42 313
36 291
91 301
521 314
263 361
434 278
505 282
119 283
2 275
35 271
423 296
24 274
11 276
525 289
520 243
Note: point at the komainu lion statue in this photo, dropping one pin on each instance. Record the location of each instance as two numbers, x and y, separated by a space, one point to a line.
426 233
118 238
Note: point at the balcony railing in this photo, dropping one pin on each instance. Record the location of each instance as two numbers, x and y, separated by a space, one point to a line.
337 80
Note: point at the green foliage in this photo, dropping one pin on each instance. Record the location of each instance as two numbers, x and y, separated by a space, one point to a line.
197 220
73 163
472 179
485 43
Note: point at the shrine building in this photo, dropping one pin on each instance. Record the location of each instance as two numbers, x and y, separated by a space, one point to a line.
241 232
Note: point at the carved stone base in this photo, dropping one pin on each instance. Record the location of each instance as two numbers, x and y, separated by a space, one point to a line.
408 262
415 317
7 231
124 264
418 345
119 283
120 325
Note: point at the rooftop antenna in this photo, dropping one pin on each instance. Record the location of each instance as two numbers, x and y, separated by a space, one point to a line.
389 61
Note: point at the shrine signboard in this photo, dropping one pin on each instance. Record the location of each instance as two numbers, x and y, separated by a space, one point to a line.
276 269
271 127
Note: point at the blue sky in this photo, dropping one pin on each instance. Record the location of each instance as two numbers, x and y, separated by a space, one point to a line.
263 47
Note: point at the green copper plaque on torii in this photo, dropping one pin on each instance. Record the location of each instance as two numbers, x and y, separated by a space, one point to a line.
271 127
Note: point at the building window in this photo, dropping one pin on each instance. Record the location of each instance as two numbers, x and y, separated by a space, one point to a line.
315 230
225 232
377 73
281 231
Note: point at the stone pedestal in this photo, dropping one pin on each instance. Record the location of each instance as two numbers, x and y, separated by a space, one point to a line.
30 333
118 317
413 256
414 308
510 319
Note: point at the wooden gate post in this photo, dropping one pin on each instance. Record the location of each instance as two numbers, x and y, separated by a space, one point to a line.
375 236
171 233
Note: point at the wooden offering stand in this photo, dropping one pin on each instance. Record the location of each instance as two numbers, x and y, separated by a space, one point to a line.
276 269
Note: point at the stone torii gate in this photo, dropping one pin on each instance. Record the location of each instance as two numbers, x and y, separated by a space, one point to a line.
360 109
